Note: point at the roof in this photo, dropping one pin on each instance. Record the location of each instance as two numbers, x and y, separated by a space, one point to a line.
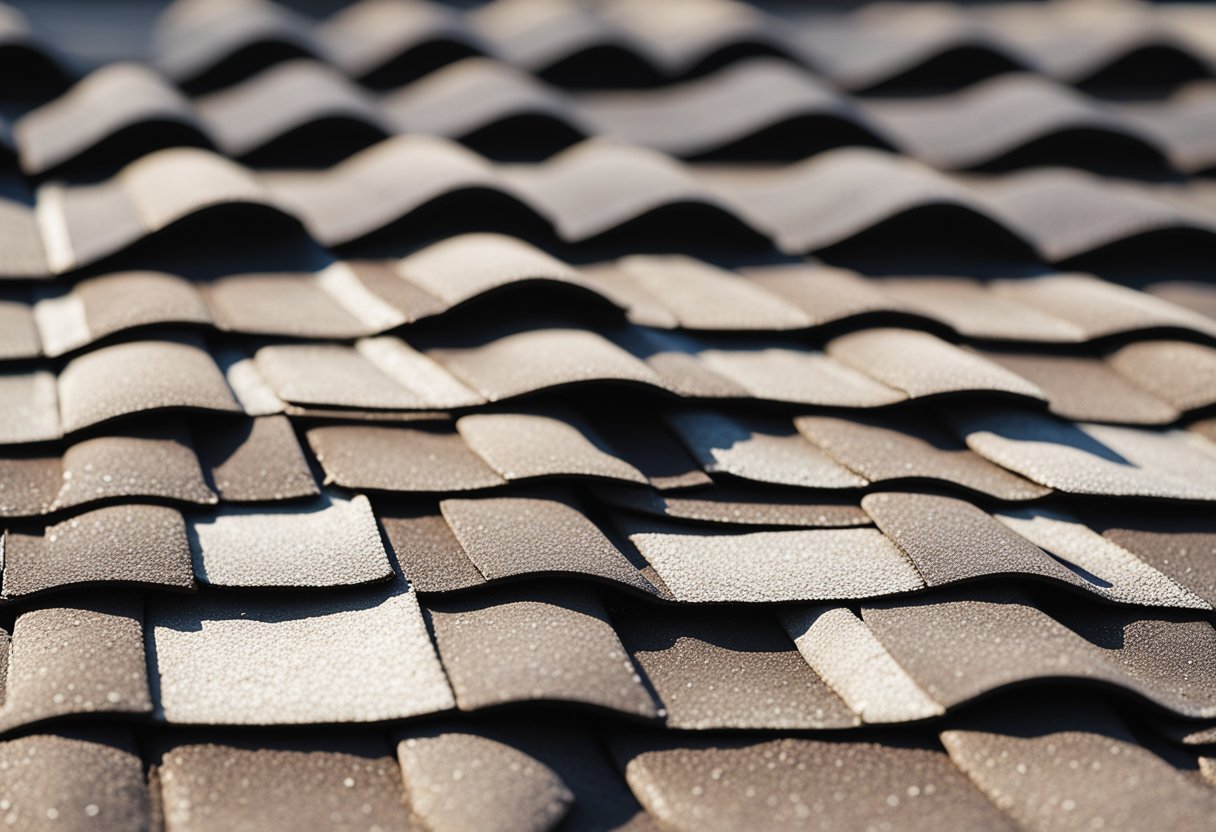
620 415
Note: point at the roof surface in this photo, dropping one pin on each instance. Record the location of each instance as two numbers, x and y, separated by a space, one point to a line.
621 415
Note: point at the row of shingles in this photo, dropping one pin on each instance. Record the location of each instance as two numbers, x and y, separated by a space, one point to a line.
384 42
348 300
762 108
590 191
564 641
1041 768
1146 382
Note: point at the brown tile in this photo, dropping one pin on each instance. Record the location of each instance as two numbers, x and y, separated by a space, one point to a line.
921 364
80 780
350 783
464 267
139 544
716 784
951 540
889 451
744 505
1104 460
429 553
639 438
18 332
1109 569
824 294
529 361
1191 295
542 444
1052 769
845 654
799 376
758 449
972 310
280 658
712 672
1179 372
1086 388
28 483
701 296
538 643
29 407
255 460
1100 308
503 786
330 374
137 377
325 542
104 108
511 536
384 281
1184 549
250 115
281 304
122 301
699 564
349 201
959 645
399 459
153 463
80 658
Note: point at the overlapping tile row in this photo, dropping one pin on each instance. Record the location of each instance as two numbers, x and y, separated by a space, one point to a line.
583 773
349 299
386 41
308 112
599 191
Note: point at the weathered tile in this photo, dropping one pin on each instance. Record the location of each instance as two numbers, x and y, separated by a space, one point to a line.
712 672
1093 459
85 779
466 266
1053 768
725 784
747 505
1182 548
29 482
1179 372
959 645
639 438
799 376
542 444
154 463
1087 389
758 449
271 659
18 332
429 553
972 310
399 459
700 565
123 301
140 544
951 540
348 783
701 296
538 643
124 379
464 779
824 294
281 304
255 460
511 536
889 451
325 542
79 658
1118 573
921 364
29 407
528 361
847 656
330 374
